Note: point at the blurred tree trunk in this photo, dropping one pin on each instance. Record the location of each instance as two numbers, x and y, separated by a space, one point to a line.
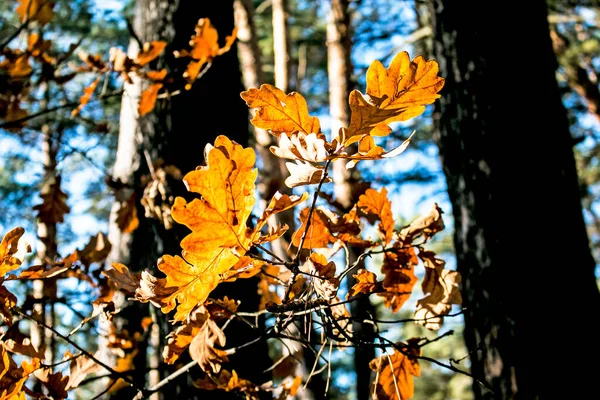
280 44
346 188
172 138
252 73
520 237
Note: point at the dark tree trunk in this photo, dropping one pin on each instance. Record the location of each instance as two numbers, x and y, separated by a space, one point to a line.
176 134
520 236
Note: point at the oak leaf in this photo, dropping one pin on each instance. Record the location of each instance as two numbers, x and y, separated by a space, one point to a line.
395 372
7 302
35 10
367 150
397 93
96 250
122 278
426 226
148 99
300 146
398 267
305 173
279 203
376 206
218 221
127 219
442 290
366 283
54 206
12 250
150 51
205 47
87 95
319 232
279 112
80 367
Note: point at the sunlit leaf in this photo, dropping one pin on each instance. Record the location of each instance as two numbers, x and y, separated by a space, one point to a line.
12 251
376 206
150 51
398 267
148 99
366 283
397 93
36 10
279 112
87 95
394 374
218 222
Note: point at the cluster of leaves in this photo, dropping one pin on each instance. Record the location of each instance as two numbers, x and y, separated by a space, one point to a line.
229 238
40 62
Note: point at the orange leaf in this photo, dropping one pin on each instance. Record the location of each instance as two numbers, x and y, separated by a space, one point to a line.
150 51
7 301
36 10
279 203
20 68
366 283
157 76
87 95
400 278
319 233
280 113
376 205
205 47
394 374
397 93
11 254
148 99
218 222
96 250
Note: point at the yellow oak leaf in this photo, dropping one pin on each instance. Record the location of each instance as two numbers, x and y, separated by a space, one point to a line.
279 112
148 99
87 95
319 232
376 205
397 93
366 283
11 254
219 236
36 10
205 47
150 51
394 374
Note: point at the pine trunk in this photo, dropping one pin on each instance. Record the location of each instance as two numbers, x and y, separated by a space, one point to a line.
520 237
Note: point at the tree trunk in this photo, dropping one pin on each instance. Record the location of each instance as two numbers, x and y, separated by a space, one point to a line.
280 44
175 135
339 66
253 77
513 183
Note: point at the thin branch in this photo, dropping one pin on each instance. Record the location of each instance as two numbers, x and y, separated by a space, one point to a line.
146 393
78 347
17 122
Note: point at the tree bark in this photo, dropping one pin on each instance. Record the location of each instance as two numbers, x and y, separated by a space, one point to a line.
175 134
513 184
280 44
